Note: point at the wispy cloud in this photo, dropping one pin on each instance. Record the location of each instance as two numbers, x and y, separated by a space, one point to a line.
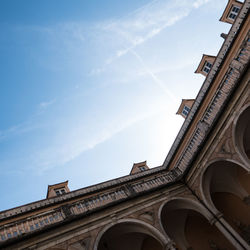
145 23
19 129
157 80
168 67
118 36
46 104
122 37
75 145
199 3
26 126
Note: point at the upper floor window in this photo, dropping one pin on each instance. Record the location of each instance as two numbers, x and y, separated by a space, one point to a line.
185 110
207 66
60 191
142 168
234 12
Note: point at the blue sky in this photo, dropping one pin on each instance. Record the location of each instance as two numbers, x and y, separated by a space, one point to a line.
90 87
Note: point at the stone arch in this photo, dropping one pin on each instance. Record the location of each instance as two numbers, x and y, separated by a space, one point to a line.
56 248
205 181
241 134
226 188
185 203
136 229
188 223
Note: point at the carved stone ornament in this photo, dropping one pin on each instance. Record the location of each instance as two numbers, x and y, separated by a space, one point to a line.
226 147
81 245
86 243
213 246
247 200
149 216
244 229
66 210
170 246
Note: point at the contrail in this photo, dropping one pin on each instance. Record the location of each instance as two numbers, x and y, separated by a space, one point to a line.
155 78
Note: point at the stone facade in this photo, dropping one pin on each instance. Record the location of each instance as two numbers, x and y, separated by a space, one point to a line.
198 199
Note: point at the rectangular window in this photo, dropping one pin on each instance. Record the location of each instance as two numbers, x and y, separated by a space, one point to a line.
206 68
142 168
233 12
185 110
185 113
60 191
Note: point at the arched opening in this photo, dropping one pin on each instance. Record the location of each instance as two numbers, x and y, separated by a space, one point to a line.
190 229
129 235
227 186
55 248
242 134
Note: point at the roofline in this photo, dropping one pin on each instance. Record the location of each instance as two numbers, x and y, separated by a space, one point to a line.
58 183
205 88
49 186
78 193
226 8
142 163
182 100
165 166
203 55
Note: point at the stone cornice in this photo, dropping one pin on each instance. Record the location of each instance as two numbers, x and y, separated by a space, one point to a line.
183 160
6 214
33 223
199 135
117 190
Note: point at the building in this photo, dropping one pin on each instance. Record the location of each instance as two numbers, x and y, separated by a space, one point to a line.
198 199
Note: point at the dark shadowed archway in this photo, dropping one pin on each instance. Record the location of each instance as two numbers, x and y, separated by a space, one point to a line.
242 134
186 222
226 185
131 235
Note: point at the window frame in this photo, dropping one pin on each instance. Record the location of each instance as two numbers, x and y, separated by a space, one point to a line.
233 13
207 67
142 168
60 191
185 111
